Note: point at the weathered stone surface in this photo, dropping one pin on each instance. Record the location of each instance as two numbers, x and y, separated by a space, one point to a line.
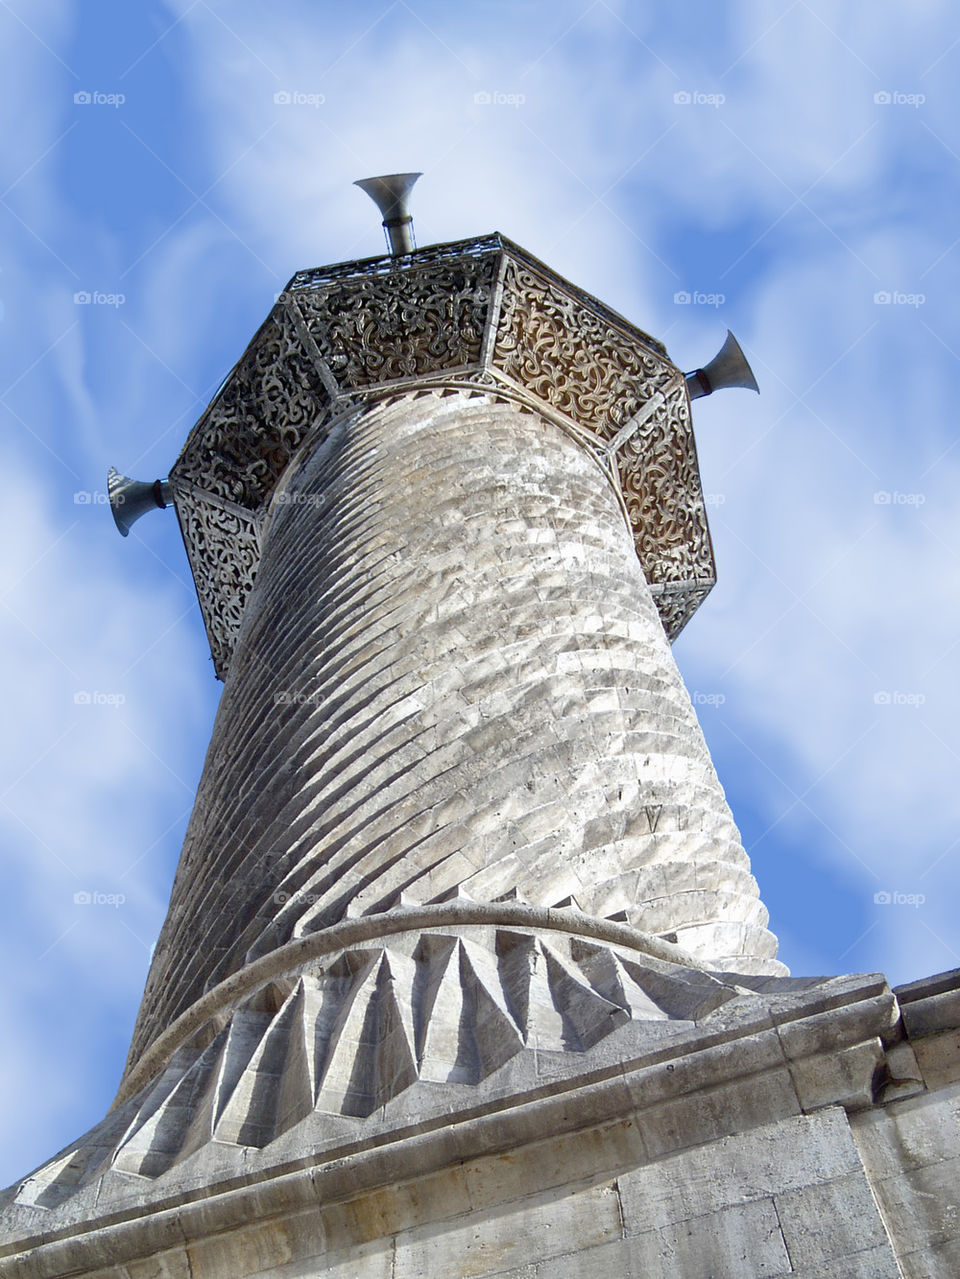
650 1120
823 1222
421 700
848 1077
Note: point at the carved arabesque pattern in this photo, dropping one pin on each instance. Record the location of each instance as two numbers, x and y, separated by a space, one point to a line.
477 312
570 355
223 538
400 324
677 607
385 264
660 482
242 444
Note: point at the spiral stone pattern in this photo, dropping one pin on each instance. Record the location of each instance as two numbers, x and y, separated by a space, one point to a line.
451 678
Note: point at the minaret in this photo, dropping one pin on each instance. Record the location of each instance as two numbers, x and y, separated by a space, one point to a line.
458 849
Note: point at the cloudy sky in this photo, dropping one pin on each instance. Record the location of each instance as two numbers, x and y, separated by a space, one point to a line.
792 168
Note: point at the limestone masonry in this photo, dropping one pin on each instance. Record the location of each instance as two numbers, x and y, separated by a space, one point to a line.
464 971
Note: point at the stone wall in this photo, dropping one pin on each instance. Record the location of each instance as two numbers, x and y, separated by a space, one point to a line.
793 1133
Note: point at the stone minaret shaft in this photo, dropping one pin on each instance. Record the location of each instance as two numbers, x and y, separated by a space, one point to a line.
444 517
451 676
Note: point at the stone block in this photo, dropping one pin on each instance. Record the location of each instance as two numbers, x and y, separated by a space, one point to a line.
922 1208
940 1262
938 1057
776 1158
904 1077
564 1159
829 1221
699 1117
907 1135
391 1209
874 1263
375 1261
262 1246
733 1243
613 1258
845 1078
169 1265
937 1012
492 1242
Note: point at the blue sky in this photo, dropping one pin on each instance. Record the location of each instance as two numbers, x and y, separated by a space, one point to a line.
791 166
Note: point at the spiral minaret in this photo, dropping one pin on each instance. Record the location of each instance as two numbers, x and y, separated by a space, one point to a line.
458 851
464 971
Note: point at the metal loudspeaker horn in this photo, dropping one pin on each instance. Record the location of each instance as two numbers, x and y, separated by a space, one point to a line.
129 499
390 194
728 367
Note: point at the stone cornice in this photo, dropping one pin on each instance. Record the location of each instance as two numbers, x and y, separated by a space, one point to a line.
788 1049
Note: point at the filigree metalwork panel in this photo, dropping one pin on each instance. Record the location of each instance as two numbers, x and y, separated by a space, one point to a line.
400 324
660 481
677 607
571 356
243 442
223 545
478 312
385 265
